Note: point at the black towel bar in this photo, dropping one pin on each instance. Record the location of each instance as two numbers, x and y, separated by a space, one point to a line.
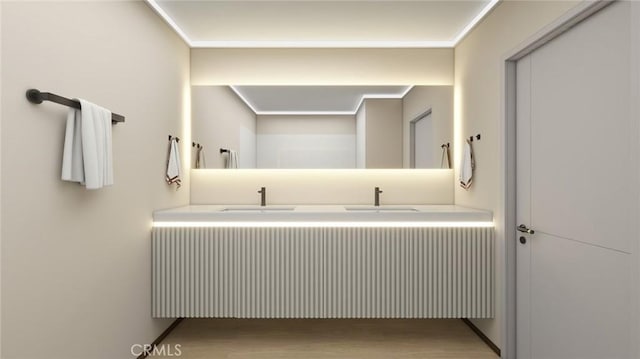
224 150
35 96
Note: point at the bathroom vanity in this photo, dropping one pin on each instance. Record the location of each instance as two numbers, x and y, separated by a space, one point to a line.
405 261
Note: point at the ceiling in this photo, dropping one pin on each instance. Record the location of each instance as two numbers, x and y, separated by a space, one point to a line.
265 100
313 23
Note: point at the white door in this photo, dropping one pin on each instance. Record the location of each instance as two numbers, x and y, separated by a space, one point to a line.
577 188
423 146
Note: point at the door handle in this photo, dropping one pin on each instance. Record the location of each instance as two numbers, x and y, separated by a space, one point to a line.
522 228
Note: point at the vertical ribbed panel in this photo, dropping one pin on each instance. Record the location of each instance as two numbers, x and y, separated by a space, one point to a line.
409 273
193 271
323 272
280 272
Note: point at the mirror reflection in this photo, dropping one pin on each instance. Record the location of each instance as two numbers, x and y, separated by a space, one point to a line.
322 126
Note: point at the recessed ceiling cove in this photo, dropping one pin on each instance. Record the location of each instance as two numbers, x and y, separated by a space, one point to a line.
310 99
322 22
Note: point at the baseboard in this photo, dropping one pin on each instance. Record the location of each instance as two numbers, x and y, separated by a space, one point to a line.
161 337
481 335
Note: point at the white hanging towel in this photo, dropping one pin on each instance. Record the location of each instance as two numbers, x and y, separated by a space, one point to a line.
467 166
87 156
173 163
232 159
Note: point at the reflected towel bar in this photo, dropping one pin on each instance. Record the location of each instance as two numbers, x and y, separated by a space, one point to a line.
35 96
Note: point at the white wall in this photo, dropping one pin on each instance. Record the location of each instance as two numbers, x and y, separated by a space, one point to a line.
220 119
383 130
322 66
304 141
477 109
75 263
338 186
420 99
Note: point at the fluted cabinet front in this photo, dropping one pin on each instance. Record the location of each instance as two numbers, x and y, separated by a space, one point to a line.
280 272
409 273
194 272
323 272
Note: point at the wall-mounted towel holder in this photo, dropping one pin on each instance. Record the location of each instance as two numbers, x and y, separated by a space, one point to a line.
35 96
197 145
224 150
445 145
171 137
476 136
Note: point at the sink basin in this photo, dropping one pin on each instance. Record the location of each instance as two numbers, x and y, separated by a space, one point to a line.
381 209
258 209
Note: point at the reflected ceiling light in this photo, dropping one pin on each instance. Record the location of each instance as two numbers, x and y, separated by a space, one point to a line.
320 113
305 113
244 99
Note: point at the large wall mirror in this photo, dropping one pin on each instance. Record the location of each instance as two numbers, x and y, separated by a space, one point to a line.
322 126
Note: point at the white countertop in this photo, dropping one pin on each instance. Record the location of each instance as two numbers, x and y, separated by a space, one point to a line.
322 213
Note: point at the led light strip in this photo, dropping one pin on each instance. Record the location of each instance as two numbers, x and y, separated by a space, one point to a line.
324 224
324 44
170 21
474 22
328 44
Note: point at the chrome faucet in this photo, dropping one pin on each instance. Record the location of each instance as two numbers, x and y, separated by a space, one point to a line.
377 196
263 196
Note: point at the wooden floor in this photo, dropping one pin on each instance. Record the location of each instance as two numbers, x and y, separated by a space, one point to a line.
326 339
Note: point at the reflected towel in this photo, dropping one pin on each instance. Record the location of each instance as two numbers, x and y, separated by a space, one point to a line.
200 159
467 166
173 163
232 159
445 162
87 156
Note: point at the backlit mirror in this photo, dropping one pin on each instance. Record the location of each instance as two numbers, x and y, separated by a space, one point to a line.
322 126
